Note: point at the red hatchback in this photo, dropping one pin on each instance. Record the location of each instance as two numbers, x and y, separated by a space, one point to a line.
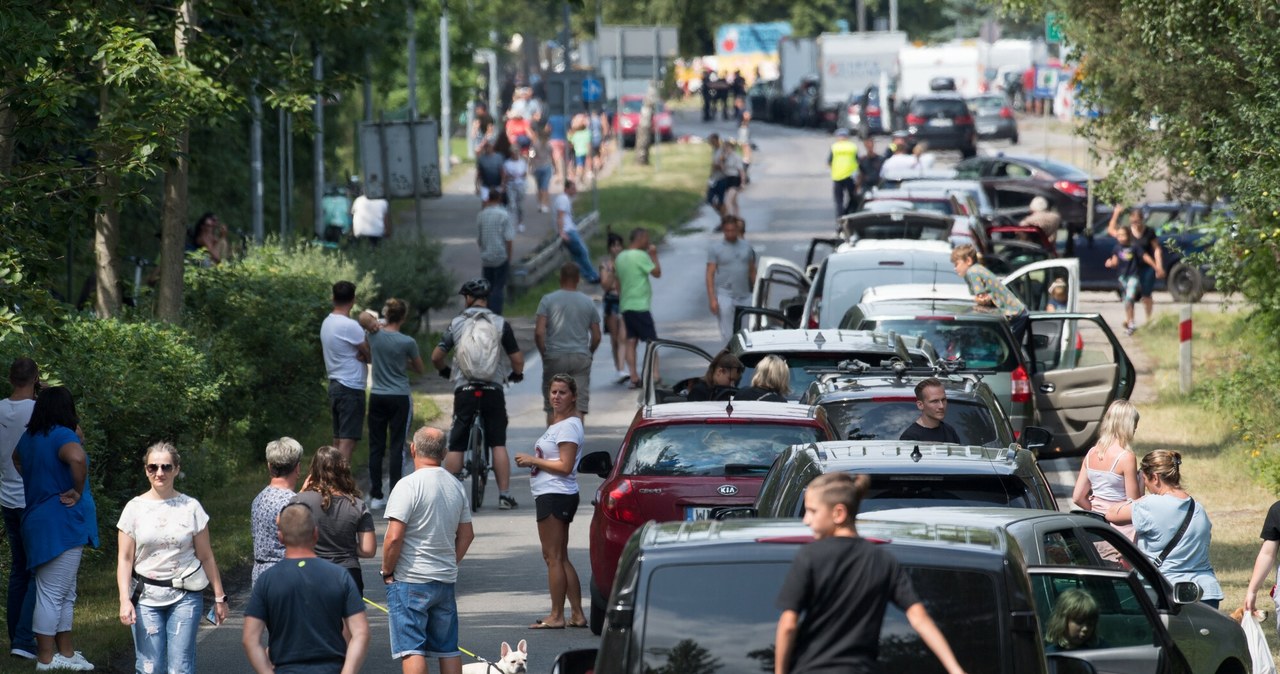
680 460
628 120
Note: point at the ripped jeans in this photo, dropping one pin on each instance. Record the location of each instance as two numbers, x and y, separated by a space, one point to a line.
164 637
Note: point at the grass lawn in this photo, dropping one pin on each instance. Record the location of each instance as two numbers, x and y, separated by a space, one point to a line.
661 198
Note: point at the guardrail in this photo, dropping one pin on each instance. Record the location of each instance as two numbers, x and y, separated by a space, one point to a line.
547 259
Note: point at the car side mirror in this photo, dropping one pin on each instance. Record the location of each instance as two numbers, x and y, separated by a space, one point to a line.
734 513
1066 663
600 463
1037 439
580 661
1186 592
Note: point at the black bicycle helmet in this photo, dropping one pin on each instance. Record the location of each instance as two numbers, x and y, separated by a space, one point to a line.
476 287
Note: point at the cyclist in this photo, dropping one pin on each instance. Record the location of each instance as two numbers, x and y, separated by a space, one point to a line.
491 362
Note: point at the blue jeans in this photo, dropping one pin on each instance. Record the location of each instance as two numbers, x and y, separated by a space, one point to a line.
424 619
578 251
164 637
497 278
22 595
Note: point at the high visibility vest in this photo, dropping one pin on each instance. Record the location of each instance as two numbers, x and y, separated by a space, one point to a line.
844 159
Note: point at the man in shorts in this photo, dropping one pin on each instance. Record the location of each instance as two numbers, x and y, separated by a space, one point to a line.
428 533
634 266
567 334
346 351
486 397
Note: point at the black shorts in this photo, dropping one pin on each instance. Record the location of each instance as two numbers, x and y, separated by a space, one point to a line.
358 577
347 407
560 506
492 404
639 325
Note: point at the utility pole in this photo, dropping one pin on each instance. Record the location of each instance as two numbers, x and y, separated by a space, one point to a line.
285 167
317 149
413 117
255 164
446 93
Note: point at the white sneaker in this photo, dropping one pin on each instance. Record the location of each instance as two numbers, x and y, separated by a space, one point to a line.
377 503
75 662
623 374
543 209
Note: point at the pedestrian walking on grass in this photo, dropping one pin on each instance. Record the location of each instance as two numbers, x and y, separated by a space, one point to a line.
567 334
495 232
1127 258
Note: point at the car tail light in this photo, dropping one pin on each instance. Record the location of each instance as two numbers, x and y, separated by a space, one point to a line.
873 111
1006 113
964 120
1070 189
915 120
815 314
1021 385
619 504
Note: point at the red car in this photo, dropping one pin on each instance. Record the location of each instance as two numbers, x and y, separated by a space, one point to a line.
628 120
678 461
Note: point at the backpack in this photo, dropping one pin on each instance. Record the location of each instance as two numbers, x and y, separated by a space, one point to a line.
479 355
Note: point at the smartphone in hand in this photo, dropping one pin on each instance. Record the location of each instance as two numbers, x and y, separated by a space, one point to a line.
212 617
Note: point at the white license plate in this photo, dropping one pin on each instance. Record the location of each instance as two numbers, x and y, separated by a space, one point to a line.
695 514
944 122
986 128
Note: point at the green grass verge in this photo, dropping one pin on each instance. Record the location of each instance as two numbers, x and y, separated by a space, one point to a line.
661 197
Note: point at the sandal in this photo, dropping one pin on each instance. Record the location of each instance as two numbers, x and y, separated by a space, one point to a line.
539 625
581 625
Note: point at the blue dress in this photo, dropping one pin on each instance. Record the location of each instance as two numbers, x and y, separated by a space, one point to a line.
48 527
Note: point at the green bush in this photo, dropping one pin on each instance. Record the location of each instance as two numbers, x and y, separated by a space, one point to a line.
259 320
410 270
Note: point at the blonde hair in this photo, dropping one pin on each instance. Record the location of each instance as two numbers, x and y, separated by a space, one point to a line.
1165 463
772 373
163 447
1118 425
1073 605
964 252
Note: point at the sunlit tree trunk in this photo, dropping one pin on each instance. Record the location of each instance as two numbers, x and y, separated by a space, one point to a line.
106 222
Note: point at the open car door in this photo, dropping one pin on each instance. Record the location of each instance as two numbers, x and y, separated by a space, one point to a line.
669 367
780 286
1031 283
1080 368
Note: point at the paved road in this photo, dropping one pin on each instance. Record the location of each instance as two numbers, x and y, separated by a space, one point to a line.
502 586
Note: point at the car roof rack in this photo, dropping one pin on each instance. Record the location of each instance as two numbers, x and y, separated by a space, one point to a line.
950 368
853 449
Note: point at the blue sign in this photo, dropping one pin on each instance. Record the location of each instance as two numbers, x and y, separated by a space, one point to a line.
1046 84
592 90
750 38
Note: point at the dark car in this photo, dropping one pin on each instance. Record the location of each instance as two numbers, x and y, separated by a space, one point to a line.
678 461
1013 181
1179 226
804 103
994 118
864 115
944 121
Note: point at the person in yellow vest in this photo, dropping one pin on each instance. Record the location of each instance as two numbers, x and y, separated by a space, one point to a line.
843 161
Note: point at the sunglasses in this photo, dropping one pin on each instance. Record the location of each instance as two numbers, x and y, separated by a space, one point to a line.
160 468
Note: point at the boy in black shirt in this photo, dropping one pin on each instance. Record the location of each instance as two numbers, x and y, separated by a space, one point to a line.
931 399
842 584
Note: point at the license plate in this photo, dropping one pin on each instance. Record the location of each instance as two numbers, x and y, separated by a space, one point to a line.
695 514
941 122
986 128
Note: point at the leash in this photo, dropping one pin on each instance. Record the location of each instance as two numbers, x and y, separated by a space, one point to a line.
384 610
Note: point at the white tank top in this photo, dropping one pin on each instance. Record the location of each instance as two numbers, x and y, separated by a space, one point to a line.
1108 485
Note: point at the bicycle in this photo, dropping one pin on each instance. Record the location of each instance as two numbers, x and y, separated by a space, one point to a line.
477 461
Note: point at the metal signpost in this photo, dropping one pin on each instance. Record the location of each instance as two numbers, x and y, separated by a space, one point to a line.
389 152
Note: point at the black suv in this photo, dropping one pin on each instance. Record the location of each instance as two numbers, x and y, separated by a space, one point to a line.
944 121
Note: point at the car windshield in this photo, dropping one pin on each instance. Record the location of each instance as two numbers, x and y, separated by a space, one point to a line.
1058 169
805 367
702 618
889 492
878 418
982 344
706 449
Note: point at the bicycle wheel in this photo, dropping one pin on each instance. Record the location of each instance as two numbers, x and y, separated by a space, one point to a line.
476 465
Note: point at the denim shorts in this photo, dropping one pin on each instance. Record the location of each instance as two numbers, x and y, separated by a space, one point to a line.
423 620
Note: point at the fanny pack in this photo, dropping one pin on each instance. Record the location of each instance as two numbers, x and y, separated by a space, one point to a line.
190 578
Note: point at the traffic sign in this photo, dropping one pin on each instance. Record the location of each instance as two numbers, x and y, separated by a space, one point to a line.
592 90
1052 28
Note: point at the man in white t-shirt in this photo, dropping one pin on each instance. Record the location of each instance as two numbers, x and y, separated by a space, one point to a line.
15 412
428 533
369 219
346 351
568 231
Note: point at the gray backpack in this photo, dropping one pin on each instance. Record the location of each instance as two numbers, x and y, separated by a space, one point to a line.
479 355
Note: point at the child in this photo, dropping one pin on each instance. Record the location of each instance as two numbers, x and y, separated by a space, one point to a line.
842 583
1126 258
744 141
1109 474
1057 296
612 313
1073 624
580 140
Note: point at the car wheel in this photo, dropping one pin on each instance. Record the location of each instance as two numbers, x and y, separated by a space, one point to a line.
597 611
967 152
1185 283
1014 140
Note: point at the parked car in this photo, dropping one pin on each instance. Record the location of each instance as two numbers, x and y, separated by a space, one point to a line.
762 99
994 118
1013 181
678 461
864 115
966 224
1210 640
628 122
804 103
944 121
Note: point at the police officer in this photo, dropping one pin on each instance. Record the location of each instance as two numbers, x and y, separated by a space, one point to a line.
843 160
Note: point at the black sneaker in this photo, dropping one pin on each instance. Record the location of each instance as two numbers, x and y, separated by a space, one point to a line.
507 503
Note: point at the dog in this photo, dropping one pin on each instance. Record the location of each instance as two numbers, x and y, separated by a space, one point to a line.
510 661
1238 615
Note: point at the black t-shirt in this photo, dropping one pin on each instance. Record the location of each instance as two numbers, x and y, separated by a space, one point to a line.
303 602
917 433
1271 525
1147 243
841 586
701 390
761 394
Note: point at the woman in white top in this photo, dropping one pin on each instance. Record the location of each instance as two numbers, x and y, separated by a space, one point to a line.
514 171
163 533
1109 474
553 478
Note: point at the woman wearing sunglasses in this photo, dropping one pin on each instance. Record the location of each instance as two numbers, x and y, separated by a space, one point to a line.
165 562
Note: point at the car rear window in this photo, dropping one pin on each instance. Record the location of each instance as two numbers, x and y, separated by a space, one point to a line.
849 284
805 368
987 103
933 108
721 618
711 449
982 344
872 419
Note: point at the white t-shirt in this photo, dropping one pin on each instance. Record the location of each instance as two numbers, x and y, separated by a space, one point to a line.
548 447
516 170
900 165
164 534
564 210
431 503
339 338
14 415
368 216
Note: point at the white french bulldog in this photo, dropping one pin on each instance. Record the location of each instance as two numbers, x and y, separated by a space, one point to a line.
511 661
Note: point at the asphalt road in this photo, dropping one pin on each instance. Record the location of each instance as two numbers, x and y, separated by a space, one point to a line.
502 586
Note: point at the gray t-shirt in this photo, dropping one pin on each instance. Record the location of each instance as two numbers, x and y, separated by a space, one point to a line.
569 317
339 526
432 504
733 265
494 231
391 352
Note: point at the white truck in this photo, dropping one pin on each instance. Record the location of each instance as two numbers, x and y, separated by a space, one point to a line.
848 63
797 59
917 66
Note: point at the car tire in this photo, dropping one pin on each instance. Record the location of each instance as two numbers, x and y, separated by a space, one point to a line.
1014 139
596 617
967 152
1185 283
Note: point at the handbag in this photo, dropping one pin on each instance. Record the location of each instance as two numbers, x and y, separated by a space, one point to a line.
190 578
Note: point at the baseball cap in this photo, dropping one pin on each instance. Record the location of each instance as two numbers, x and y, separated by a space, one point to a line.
842 133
